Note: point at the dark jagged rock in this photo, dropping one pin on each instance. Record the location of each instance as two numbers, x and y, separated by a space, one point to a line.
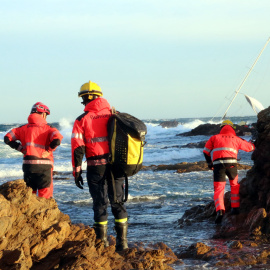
248 233
189 145
195 145
185 167
204 129
35 234
212 129
169 124
173 146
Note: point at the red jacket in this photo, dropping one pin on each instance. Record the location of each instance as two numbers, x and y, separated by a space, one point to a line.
224 146
90 136
35 138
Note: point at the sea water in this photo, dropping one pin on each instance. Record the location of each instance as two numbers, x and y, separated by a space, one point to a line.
157 199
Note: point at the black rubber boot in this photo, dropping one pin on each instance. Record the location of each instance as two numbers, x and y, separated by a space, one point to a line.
101 233
219 216
235 211
121 236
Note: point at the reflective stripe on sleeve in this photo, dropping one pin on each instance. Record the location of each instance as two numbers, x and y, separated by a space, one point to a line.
12 135
77 136
99 139
55 132
19 148
206 149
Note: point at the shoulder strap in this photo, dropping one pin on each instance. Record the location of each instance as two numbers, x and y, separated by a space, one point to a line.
113 110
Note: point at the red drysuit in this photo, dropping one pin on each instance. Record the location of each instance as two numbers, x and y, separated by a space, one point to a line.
221 154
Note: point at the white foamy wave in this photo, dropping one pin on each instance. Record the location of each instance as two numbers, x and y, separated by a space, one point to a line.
169 155
154 131
65 123
196 122
10 171
214 122
2 134
8 153
65 130
145 198
61 166
193 124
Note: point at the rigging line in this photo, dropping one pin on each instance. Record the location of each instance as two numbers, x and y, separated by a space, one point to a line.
221 108
263 77
239 88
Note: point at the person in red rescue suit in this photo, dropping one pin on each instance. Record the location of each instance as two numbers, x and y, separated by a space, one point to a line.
90 138
220 152
36 140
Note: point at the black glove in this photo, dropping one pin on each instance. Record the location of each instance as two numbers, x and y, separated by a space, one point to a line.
210 166
78 179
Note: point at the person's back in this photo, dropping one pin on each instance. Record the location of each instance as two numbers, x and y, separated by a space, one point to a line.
93 126
90 138
225 146
37 141
220 152
35 136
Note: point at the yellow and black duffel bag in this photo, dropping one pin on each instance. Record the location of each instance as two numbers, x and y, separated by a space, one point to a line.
126 140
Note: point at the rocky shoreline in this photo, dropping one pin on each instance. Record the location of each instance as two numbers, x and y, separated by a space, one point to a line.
246 237
185 167
35 234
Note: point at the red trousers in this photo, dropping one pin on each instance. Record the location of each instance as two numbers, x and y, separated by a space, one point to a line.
45 192
41 183
220 172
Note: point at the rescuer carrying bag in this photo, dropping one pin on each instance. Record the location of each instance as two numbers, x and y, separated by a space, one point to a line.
126 135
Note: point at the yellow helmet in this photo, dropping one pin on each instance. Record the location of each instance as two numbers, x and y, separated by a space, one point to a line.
227 122
90 88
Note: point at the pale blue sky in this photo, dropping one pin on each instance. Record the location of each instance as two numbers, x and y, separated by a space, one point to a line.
152 59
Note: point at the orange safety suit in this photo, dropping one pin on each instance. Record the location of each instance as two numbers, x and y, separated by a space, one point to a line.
220 152
35 138
90 138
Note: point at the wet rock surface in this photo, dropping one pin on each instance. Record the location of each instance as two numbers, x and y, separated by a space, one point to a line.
189 145
240 240
169 124
212 129
195 145
185 167
35 234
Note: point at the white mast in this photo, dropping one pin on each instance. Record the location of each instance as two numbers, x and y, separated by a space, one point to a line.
237 91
